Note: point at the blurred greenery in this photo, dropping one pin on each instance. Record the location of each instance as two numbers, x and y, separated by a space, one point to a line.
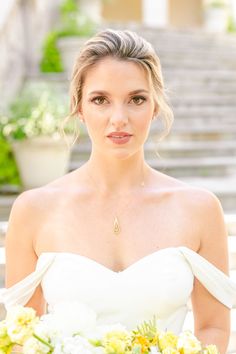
36 111
231 24
51 58
72 23
8 172
67 7
217 3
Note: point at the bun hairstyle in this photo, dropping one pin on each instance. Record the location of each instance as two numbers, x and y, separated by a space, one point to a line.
122 45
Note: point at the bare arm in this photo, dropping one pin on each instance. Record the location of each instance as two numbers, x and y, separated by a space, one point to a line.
20 256
211 317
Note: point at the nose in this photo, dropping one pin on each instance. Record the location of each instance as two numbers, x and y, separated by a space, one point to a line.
119 117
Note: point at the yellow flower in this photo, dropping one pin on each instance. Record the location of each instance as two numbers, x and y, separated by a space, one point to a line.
141 342
116 342
5 340
20 322
6 350
167 340
211 349
188 344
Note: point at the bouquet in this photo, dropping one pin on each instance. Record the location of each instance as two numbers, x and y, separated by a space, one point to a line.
72 329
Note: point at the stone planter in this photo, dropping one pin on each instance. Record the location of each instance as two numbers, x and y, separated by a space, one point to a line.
41 160
216 19
69 48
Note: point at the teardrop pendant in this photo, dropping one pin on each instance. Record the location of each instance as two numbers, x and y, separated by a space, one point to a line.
116 228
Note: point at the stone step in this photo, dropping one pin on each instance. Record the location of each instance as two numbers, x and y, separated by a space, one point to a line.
192 37
230 220
187 167
182 132
198 99
190 64
171 148
6 202
184 149
200 75
3 229
221 110
216 54
175 83
224 189
197 87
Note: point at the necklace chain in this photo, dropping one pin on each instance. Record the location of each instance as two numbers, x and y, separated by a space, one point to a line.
116 223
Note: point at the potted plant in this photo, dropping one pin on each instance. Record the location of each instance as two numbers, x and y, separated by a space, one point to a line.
32 126
62 44
9 175
216 16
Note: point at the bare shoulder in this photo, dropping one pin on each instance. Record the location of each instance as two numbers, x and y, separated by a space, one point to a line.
201 205
199 209
206 217
24 216
198 199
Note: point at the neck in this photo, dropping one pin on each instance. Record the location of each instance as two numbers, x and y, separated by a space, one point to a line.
117 176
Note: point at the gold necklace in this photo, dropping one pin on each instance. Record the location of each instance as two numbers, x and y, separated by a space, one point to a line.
116 223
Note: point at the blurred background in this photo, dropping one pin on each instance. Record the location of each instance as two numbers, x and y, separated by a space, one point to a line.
196 43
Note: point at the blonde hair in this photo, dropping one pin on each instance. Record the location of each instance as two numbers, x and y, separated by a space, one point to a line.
121 45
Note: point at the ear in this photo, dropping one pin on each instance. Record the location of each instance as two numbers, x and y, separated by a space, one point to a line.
80 113
155 112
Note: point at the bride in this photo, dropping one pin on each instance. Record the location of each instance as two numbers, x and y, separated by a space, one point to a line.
116 234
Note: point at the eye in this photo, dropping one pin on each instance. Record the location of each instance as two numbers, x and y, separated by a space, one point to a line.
139 99
99 100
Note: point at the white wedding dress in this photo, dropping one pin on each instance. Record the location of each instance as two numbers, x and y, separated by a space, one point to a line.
158 284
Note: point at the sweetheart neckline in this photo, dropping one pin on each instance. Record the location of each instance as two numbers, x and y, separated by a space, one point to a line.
140 260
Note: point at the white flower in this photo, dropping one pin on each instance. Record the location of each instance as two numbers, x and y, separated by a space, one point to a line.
101 330
154 350
34 346
76 345
188 343
46 332
20 322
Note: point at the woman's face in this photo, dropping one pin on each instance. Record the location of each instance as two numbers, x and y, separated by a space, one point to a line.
116 97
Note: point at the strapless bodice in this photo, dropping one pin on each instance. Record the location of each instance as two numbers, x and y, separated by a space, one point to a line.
158 284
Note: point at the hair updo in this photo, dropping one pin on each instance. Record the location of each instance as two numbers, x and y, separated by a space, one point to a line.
121 45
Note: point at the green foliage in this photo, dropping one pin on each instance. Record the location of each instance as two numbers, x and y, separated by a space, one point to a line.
231 27
51 58
217 3
68 7
148 328
72 23
8 172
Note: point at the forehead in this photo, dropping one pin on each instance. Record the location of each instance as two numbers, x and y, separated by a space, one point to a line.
112 72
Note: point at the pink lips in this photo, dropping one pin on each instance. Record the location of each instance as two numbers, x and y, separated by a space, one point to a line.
118 134
119 137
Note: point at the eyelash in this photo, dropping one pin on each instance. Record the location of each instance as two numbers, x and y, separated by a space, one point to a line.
137 97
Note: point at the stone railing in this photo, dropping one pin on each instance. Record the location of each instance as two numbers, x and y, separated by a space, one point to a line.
23 25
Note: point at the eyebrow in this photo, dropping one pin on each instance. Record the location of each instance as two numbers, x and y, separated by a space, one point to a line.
107 93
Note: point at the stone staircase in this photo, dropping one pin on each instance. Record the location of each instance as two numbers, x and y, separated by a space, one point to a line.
200 75
231 226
